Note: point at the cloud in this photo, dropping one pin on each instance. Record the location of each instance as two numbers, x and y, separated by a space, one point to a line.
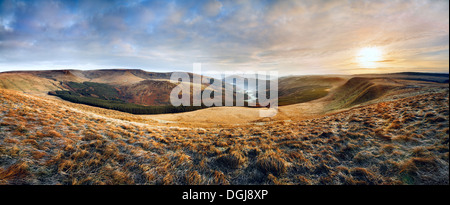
295 37
212 8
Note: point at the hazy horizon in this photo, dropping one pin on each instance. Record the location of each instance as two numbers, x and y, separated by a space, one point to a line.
291 37
215 74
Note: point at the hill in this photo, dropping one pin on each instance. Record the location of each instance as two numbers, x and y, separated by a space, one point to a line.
363 89
120 89
300 89
299 96
27 82
366 129
49 141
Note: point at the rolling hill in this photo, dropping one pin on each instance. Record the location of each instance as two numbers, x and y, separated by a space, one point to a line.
141 88
299 89
112 88
363 129
394 141
28 82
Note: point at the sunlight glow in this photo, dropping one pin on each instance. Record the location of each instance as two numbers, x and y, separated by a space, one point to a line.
369 57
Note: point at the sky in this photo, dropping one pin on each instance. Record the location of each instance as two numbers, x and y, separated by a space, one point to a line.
291 37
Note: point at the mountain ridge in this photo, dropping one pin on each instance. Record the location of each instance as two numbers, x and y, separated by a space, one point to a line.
146 88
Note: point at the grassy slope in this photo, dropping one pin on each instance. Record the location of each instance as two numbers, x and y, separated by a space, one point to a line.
96 90
358 90
302 89
27 83
122 78
399 142
303 94
132 86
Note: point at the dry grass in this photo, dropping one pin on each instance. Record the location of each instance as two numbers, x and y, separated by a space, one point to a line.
271 163
45 141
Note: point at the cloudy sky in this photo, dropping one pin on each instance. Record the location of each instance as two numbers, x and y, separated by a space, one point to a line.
291 37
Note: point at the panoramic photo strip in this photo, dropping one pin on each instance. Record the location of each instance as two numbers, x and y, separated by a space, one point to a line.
277 94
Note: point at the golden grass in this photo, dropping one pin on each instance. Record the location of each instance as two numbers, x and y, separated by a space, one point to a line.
271 163
14 172
45 141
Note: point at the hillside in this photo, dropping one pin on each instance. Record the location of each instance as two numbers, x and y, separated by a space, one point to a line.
364 89
120 89
359 90
27 82
300 97
300 89
366 129
344 92
48 141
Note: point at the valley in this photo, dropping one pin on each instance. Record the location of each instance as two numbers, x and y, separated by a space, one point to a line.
347 129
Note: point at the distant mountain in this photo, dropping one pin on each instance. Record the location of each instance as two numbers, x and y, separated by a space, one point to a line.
418 76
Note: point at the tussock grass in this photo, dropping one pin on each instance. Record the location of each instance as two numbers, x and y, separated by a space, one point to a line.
271 163
232 160
45 141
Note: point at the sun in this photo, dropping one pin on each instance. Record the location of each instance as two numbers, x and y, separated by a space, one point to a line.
369 57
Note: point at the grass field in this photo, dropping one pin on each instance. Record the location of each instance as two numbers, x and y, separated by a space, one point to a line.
45 141
366 129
